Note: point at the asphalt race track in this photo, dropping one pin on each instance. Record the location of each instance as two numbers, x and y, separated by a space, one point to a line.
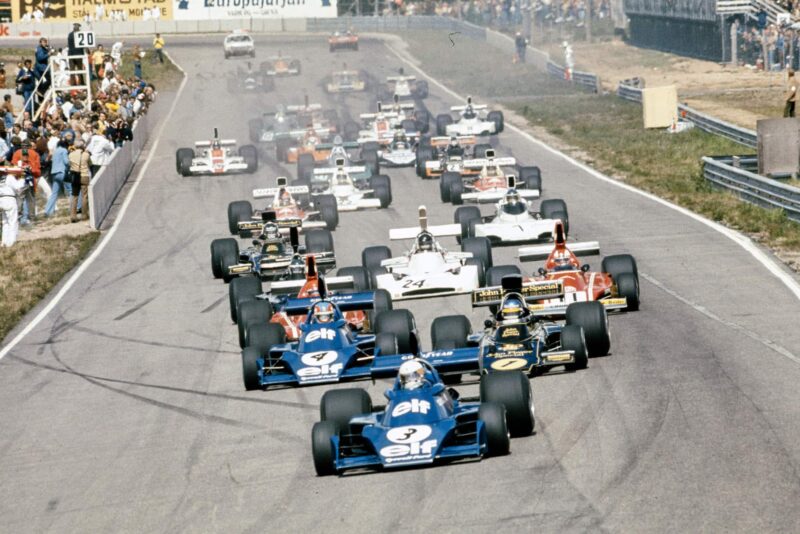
124 410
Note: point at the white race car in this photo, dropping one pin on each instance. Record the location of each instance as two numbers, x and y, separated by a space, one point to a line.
400 152
483 180
239 43
513 220
338 182
428 269
405 87
216 157
473 119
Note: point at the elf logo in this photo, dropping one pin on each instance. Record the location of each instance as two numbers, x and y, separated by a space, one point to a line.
413 406
410 443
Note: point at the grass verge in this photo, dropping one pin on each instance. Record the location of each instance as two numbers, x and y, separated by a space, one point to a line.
608 131
164 76
30 269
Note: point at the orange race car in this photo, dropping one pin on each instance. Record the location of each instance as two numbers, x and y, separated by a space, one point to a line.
249 305
490 183
309 146
280 66
343 40
616 286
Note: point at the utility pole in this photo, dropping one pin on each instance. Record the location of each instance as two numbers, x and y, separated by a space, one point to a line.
588 22
734 43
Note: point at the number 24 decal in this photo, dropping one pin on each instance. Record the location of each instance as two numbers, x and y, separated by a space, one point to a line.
411 283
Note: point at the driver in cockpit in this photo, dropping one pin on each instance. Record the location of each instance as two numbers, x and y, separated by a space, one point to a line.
400 141
455 148
340 178
425 242
284 199
322 312
513 204
272 241
563 262
469 112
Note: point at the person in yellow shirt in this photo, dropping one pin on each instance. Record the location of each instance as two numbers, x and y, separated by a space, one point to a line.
97 59
158 44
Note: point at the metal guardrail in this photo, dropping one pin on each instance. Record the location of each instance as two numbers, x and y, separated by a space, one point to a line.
584 79
751 187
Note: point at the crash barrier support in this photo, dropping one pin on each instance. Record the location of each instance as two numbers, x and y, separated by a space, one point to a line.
627 90
751 187
108 182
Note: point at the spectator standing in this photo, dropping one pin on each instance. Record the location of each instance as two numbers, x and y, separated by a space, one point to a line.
158 44
116 54
521 44
75 63
58 173
97 60
137 62
100 149
8 112
27 158
79 176
791 95
26 83
10 189
42 62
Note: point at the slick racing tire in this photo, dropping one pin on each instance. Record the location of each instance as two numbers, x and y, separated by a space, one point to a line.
250 155
480 150
620 263
250 313
481 249
256 127
448 179
424 154
447 333
322 447
550 208
183 160
250 369
361 281
386 344
628 287
423 120
371 258
529 178
593 318
371 161
511 389
497 118
305 166
338 406
319 240
241 289
409 125
494 275
239 210
264 336
456 190
401 323
442 122
494 417
481 267
330 216
382 187
224 253
463 216
572 338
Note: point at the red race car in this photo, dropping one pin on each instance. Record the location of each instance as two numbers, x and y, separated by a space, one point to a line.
343 40
616 286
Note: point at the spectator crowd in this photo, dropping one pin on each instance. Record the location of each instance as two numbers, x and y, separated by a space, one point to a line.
58 140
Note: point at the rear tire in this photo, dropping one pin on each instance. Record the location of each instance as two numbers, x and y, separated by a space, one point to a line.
593 318
250 155
481 249
450 332
628 287
550 209
442 122
511 389
499 121
183 160
530 178
319 240
371 257
402 325
242 289
330 216
360 276
456 190
618 264
447 180
494 275
382 187
463 216
251 313
264 336
480 150
224 253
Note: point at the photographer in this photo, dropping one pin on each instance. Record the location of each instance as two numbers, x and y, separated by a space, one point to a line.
28 160
10 189
80 178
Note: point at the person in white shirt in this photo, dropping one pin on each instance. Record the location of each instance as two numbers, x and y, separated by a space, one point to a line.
38 15
116 54
10 189
108 81
156 13
100 149
99 12
145 14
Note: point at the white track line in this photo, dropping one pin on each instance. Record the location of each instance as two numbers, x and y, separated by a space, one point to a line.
99 248
733 235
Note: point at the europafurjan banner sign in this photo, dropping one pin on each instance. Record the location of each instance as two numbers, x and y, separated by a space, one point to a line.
235 9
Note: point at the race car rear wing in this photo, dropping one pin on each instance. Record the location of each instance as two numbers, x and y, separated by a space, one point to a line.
222 142
383 114
541 252
364 300
308 107
480 163
350 145
475 107
396 79
441 230
531 291
445 140
292 287
560 308
266 192
498 194
327 171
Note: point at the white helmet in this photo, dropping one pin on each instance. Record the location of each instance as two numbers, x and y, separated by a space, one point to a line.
412 375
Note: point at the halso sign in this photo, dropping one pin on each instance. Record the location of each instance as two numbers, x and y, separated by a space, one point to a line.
230 9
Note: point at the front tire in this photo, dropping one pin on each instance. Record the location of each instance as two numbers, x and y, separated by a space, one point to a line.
513 390
494 419
593 318
322 447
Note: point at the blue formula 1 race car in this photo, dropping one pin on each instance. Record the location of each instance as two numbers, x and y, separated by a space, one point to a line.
328 349
423 423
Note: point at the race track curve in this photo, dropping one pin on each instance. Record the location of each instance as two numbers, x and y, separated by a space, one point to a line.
124 410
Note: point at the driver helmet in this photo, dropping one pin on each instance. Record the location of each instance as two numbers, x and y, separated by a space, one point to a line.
453 141
341 178
323 312
425 242
284 199
562 263
215 144
270 231
400 136
512 309
469 113
411 375
512 197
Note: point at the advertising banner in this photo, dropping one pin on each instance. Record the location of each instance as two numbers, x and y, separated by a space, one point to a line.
237 9
79 10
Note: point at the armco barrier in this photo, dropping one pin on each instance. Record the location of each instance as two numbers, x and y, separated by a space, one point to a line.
106 184
751 187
